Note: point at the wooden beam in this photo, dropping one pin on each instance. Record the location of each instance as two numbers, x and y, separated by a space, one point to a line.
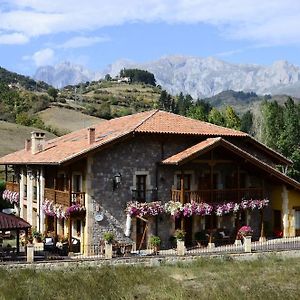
207 161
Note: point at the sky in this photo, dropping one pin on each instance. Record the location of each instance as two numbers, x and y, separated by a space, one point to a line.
95 33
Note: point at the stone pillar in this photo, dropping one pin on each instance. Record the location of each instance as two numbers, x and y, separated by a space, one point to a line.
247 243
292 231
42 198
108 251
38 201
180 248
29 196
285 211
30 253
22 184
89 218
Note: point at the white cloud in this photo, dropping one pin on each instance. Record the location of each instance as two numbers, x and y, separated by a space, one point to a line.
42 57
275 21
13 39
82 41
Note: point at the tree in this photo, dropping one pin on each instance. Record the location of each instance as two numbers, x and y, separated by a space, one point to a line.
197 112
289 139
247 122
216 117
271 123
231 119
52 92
137 75
107 77
184 103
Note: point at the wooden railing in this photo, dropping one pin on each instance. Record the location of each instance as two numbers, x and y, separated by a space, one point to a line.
13 186
64 197
226 195
78 198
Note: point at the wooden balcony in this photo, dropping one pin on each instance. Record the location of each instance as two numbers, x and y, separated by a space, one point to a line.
211 196
13 186
65 198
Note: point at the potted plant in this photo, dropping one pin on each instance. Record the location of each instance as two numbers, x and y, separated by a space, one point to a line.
154 243
37 236
179 235
108 237
244 231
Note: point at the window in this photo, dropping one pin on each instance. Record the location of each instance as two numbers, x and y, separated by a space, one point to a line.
186 181
141 187
77 183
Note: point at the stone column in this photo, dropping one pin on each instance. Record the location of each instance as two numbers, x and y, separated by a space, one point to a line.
42 198
292 231
180 248
22 183
38 201
285 211
89 218
29 196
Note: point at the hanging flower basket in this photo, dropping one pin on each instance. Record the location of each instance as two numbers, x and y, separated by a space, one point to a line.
11 197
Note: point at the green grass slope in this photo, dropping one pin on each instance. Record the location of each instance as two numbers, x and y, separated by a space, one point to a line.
67 120
203 279
13 136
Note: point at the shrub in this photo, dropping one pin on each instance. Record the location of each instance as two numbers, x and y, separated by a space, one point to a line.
154 240
179 234
108 237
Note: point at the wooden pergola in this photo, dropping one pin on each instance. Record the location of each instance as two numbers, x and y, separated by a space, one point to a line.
13 223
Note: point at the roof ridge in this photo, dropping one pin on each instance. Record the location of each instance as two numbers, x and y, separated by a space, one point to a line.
146 119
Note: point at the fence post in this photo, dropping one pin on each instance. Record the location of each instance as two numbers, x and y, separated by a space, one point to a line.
108 251
30 253
247 244
180 248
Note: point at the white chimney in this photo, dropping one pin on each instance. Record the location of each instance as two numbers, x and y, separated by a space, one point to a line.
27 144
91 135
37 141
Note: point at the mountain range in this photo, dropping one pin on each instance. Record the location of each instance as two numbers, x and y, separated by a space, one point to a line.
199 77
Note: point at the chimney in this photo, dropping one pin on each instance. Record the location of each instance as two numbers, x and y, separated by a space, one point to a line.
91 135
27 144
37 141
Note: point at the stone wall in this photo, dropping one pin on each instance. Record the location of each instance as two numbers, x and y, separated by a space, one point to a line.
139 154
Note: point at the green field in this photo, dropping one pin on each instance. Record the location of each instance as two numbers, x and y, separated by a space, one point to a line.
272 278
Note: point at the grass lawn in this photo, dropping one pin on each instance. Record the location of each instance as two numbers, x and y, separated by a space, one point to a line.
271 278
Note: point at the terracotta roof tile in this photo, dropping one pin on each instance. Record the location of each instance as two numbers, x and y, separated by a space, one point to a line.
164 122
66 147
194 151
189 153
69 146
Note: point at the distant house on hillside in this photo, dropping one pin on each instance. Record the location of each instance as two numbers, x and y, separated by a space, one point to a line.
124 80
212 178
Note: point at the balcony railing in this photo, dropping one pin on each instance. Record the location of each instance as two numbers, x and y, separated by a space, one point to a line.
13 186
226 195
144 195
65 197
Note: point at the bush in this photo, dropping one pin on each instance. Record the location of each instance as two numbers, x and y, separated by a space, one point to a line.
179 234
108 237
154 240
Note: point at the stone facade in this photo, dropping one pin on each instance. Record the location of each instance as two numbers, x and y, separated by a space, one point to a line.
141 155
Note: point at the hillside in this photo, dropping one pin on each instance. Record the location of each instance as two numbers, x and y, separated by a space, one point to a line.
21 82
13 136
66 120
107 99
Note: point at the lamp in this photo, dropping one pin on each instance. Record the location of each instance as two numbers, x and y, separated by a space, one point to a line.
116 180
